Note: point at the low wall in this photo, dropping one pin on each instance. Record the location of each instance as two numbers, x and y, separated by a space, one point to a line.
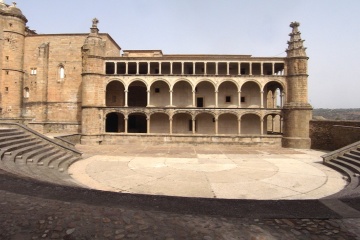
55 127
331 134
111 139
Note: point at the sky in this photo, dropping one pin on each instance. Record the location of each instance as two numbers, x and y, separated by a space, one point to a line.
330 28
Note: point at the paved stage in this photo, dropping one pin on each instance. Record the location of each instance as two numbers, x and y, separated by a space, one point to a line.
208 171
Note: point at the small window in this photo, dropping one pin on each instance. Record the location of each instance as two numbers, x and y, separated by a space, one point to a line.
33 71
7 58
242 99
7 72
26 92
157 90
6 89
10 24
62 72
228 99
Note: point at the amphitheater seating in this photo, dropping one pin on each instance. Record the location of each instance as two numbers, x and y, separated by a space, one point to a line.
27 153
347 161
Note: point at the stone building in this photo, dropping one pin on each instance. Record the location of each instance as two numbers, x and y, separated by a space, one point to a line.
84 83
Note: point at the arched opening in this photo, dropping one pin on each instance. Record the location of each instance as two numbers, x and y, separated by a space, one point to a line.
205 123
115 94
273 95
272 124
182 123
61 72
137 95
250 124
250 95
137 123
114 122
205 94
159 94
182 94
228 95
159 123
228 124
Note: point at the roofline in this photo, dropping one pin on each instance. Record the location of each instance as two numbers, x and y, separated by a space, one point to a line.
76 34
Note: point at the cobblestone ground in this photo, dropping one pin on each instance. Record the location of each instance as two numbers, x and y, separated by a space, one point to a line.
27 217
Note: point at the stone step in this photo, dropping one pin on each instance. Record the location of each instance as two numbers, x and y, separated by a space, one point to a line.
355 152
346 162
52 160
18 154
64 165
29 156
41 157
13 137
5 144
353 181
19 145
352 156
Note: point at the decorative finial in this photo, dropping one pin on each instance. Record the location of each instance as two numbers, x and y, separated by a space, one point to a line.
95 22
14 4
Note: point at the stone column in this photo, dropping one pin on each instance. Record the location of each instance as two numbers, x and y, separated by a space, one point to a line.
239 99
148 124
205 68
273 68
171 123
194 68
148 98
160 68
126 124
115 68
171 68
262 126
126 68
126 98
193 125
216 98
227 68
171 97
194 103
137 68
261 68
216 126
239 126
148 70
239 68
250 68
262 99
182 68
216 68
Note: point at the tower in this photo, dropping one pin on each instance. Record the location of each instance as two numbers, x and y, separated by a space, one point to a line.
12 38
93 52
297 111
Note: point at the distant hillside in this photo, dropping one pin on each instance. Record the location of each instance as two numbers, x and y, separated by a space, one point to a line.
337 114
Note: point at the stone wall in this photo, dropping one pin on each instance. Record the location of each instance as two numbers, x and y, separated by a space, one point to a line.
331 134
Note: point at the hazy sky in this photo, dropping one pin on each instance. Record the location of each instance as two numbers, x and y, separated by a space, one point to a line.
330 28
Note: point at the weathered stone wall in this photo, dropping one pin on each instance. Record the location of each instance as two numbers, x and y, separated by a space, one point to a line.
331 134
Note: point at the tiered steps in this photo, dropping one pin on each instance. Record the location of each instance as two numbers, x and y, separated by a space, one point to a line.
27 153
347 161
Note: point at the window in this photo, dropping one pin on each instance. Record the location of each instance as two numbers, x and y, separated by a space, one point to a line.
228 99
7 58
33 71
242 99
6 89
26 92
62 72
157 90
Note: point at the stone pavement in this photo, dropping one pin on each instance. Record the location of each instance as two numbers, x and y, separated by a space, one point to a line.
38 210
209 171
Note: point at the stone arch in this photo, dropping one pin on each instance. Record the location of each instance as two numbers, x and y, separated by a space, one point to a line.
205 94
180 80
273 94
159 122
159 93
115 94
137 122
228 123
137 94
250 124
182 122
228 96
251 94
273 123
136 80
182 94
205 123
114 122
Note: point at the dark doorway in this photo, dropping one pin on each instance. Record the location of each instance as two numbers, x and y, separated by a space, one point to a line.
112 120
137 96
200 102
137 123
